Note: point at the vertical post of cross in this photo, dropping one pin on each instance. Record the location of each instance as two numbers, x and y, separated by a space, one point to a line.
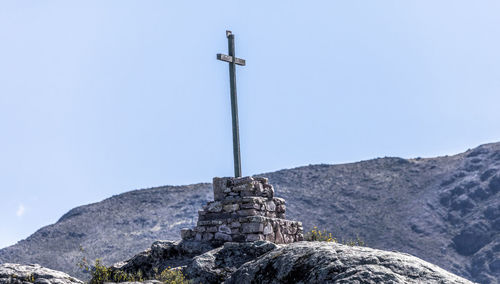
233 61
234 106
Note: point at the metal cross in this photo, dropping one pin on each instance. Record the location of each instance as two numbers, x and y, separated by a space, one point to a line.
233 60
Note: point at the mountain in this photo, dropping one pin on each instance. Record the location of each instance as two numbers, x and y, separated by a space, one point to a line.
444 210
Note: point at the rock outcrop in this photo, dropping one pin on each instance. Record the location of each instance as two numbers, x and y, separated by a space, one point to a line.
300 262
162 255
11 273
319 262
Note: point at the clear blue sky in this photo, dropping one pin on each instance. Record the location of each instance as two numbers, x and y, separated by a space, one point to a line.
101 97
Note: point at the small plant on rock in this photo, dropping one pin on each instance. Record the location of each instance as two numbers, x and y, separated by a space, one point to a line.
173 276
120 276
316 235
357 242
100 273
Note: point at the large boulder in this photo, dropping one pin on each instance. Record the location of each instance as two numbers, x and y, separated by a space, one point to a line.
11 273
321 262
217 265
200 261
162 255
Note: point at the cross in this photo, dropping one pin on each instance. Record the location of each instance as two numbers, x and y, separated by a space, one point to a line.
233 60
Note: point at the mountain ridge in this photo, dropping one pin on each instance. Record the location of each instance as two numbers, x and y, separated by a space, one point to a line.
429 207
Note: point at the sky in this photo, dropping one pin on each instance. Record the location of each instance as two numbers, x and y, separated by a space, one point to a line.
102 97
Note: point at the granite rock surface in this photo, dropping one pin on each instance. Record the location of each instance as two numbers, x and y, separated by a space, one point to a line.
11 273
320 262
300 262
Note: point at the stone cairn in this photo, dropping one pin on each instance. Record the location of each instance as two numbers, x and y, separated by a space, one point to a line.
244 210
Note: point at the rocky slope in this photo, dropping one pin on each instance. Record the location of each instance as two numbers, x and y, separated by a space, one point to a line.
445 210
113 229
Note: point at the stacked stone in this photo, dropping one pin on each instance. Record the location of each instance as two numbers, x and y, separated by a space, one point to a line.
244 210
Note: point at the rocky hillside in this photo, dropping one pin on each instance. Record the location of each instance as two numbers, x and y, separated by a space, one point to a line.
445 210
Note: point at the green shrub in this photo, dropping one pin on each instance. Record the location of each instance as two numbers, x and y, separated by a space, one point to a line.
316 235
173 276
120 276
356 242
100 273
